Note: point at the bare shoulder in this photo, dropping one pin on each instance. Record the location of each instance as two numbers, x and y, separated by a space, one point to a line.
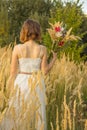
16 48
44 48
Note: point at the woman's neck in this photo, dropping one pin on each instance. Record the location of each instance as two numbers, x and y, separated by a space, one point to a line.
30 42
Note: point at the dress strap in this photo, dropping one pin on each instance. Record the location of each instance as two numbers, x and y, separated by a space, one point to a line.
40 51
26 50
20 51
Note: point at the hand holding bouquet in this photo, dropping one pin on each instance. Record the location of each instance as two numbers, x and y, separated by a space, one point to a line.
60 36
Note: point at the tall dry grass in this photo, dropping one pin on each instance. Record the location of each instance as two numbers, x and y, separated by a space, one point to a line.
66 90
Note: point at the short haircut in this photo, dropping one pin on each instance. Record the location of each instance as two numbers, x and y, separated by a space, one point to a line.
30 30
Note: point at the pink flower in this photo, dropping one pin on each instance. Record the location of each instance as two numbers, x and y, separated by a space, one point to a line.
61 43
57 29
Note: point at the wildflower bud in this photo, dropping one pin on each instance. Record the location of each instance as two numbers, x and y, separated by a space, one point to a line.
61 43
57 29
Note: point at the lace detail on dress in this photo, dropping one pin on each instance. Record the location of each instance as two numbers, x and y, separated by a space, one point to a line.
29 64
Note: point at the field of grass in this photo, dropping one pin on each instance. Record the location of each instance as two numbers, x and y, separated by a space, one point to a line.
66 93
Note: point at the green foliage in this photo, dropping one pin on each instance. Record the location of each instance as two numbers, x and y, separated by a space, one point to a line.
74 52
47 41
84 28
15 12
21 10
70 13
4 23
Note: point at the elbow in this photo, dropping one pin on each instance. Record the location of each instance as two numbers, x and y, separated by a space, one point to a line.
13 74
45 71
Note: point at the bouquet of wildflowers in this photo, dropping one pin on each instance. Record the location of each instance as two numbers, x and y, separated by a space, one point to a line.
60 36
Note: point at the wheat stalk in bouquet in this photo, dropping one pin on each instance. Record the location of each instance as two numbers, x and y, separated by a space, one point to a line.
60 36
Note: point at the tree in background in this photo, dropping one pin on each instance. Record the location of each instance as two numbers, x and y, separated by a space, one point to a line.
18 11
84 31
4 23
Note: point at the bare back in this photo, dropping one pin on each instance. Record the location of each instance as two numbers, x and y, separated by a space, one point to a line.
30 50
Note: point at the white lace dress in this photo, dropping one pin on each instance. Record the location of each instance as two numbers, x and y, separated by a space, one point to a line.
28 104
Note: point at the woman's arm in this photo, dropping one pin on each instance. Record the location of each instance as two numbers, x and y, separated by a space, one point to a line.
45 67
13 71
14 63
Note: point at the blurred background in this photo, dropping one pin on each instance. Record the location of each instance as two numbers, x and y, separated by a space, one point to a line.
66 84
72 12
